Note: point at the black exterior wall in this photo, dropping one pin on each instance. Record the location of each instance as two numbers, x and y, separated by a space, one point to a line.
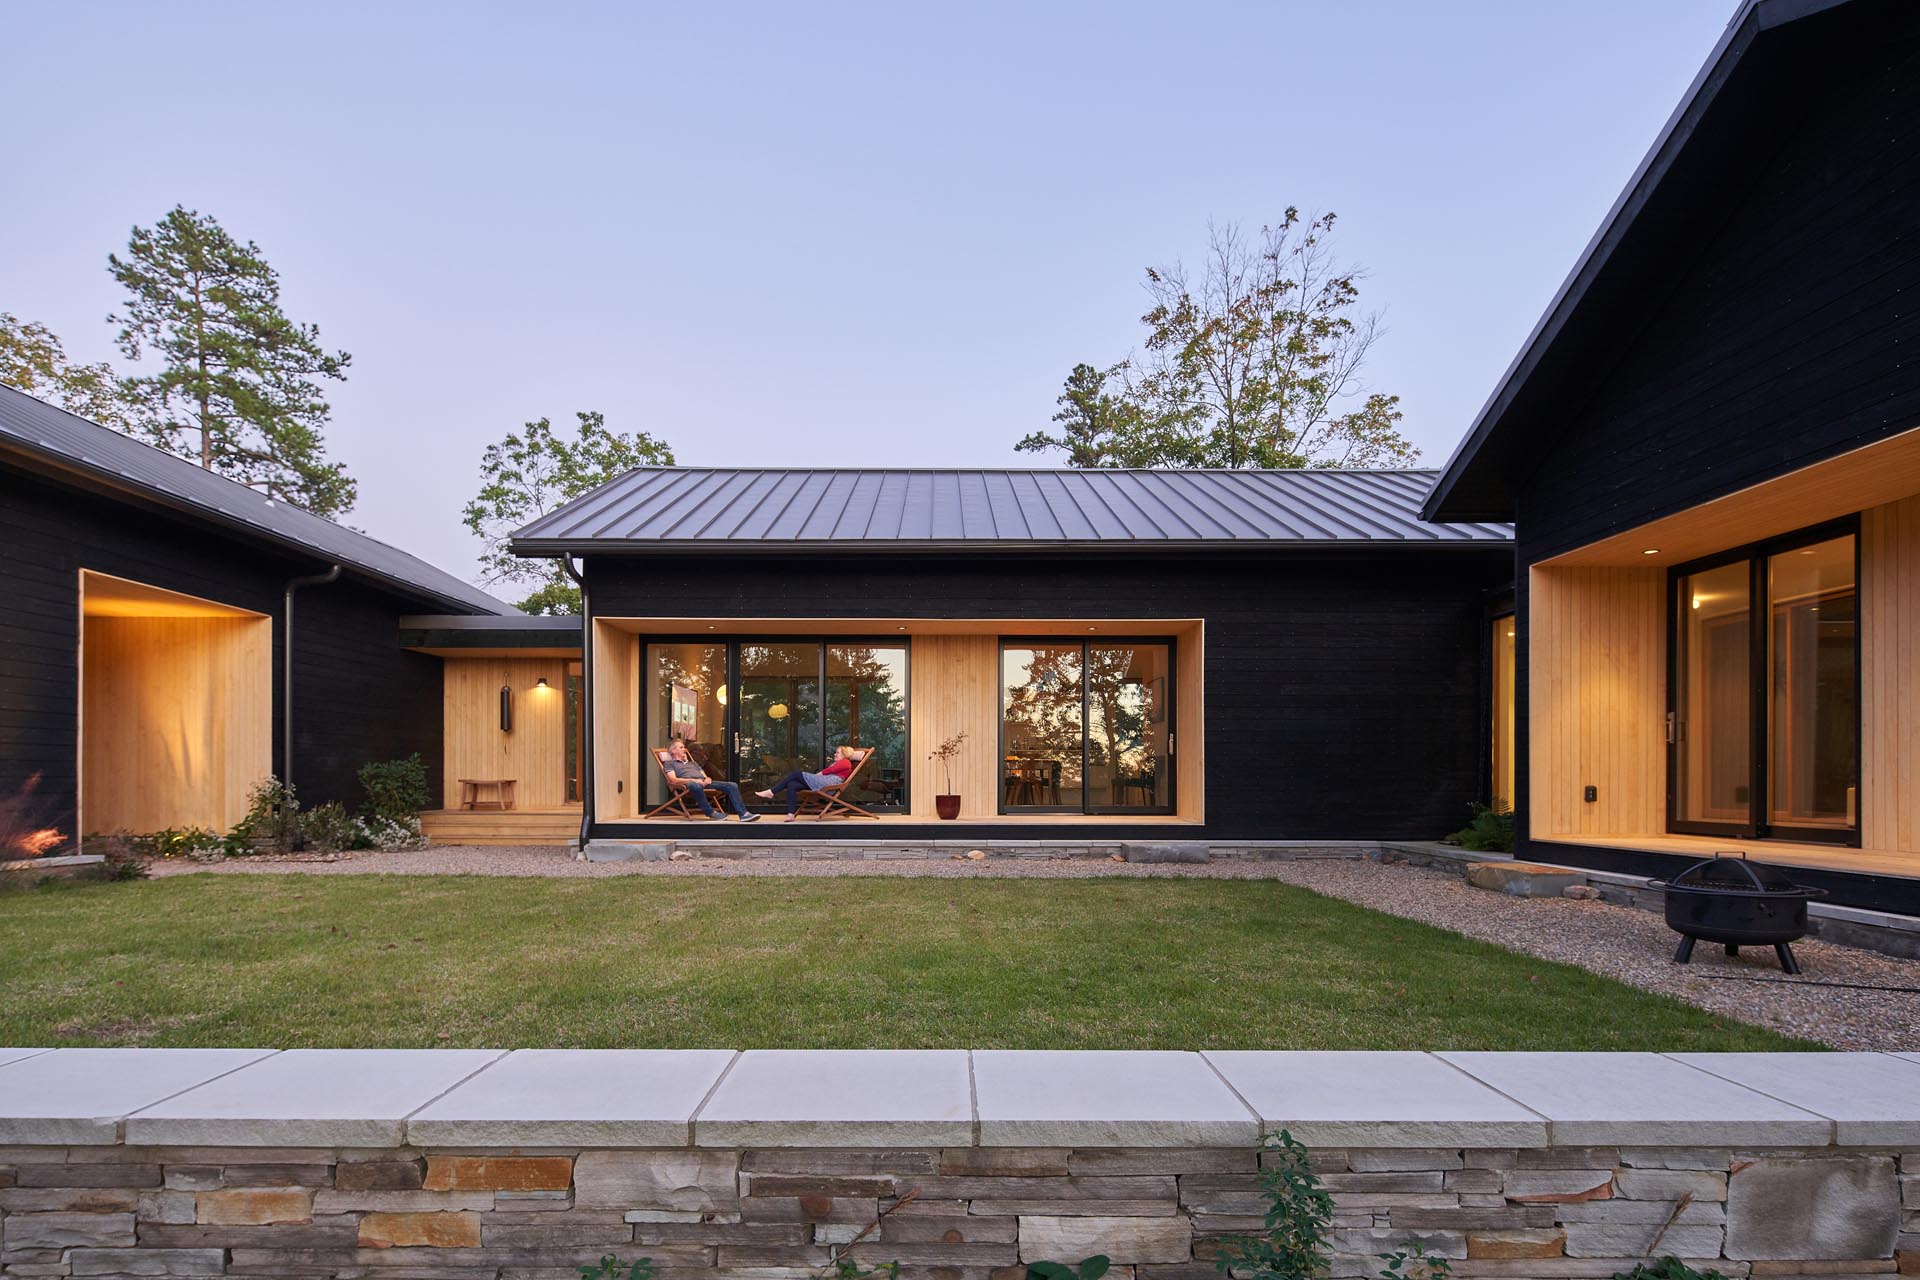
1781 330
358 695
1344 695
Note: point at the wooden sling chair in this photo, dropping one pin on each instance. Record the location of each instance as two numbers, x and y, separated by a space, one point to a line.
831 800
679 801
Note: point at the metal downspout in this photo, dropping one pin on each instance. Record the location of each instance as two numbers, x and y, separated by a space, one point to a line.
286 662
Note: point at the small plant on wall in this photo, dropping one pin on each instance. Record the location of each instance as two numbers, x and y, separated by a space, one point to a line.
947 804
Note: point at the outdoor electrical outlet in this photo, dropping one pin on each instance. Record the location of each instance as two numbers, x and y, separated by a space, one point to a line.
1593 794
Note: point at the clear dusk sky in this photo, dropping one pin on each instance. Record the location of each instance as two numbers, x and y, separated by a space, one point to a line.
812 234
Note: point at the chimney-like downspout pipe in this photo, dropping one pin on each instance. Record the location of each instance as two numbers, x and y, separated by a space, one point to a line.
586 702
286 663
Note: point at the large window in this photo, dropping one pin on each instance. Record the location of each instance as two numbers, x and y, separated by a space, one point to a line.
1086 727
1764 691
752 710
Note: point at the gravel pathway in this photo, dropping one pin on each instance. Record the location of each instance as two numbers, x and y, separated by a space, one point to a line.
1622 943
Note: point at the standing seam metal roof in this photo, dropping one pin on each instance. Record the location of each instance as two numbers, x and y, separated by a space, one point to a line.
72 443
770 508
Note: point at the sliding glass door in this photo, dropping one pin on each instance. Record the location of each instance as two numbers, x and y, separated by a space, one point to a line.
752 710
1763 695
1086 726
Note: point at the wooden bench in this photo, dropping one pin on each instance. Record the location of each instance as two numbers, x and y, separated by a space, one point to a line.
502 789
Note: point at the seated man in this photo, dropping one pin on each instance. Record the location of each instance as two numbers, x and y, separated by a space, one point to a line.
683 773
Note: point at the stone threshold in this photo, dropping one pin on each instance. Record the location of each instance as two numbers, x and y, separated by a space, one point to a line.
724 1098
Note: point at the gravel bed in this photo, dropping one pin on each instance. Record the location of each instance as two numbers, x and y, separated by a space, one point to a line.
1623 943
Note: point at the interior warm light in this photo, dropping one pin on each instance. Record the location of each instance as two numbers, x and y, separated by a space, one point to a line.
778 711
720 695
1651 551
1696 601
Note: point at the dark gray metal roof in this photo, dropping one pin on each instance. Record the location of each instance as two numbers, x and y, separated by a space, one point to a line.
105 457
741 509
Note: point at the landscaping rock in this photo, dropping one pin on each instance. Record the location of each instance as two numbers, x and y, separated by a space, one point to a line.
1185 852
628 850
1523 879
1580 892
1847 1207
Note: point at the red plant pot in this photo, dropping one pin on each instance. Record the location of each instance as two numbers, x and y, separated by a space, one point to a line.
948 807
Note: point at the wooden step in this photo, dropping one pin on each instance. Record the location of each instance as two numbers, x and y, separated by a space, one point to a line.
502 826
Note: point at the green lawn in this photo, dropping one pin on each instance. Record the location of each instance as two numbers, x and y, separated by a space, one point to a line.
464 960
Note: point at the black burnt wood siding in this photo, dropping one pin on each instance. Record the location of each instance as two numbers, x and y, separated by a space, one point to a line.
358 695
1343 695
1786 331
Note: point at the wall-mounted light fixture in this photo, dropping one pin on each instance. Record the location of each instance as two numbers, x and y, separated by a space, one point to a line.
541 683
506 708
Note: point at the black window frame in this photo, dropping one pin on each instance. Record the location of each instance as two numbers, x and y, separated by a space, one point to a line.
1760 690
652 734
1084 809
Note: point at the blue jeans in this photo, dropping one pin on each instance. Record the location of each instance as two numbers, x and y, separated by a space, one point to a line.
731 790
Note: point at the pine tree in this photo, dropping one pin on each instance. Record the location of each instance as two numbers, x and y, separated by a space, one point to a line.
236 390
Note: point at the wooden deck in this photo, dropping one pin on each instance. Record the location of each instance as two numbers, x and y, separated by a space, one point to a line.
554 825
852 827
1883 862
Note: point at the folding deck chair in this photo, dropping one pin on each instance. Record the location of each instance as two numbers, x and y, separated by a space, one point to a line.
831 800
679 802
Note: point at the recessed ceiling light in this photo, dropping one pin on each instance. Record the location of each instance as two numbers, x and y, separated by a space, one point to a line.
1651 551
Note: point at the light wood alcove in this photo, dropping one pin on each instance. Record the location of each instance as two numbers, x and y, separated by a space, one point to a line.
953 687
176 708
1597 663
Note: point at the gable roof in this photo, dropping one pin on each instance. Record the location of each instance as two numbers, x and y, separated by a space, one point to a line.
103 457
760 509
1757 74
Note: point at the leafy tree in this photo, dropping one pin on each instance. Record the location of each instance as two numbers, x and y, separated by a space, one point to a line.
1255 361
32 359
236 389
535 470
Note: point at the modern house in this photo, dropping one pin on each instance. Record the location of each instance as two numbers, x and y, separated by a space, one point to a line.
1710 451
172 637
1664 601
1278 654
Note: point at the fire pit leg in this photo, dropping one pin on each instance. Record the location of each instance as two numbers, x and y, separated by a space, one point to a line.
1785 951
1685 953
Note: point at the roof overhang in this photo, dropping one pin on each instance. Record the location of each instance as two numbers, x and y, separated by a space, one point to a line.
58 465
1749 79
1129 549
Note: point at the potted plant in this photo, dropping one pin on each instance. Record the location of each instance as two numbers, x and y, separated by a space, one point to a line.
948 804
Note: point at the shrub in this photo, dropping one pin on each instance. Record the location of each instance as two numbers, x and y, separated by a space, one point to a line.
28 825
125 859
272 819
392 834
331 827
1667 1269
1491 831
396 789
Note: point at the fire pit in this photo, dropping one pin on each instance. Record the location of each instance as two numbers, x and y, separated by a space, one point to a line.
1737 903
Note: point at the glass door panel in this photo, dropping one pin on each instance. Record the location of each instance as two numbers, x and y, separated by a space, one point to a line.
1042 724
778 711
1129 723
1712 754
686 698
867 707
1813 701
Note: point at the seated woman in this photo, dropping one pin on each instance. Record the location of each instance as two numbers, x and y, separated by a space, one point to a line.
801 780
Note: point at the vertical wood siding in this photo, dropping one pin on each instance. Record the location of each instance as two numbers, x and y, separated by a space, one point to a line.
534 754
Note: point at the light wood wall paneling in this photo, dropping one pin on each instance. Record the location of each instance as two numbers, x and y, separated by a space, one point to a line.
1190 722
616 729
1597 700
1890 676
177 716
534 754
955 688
